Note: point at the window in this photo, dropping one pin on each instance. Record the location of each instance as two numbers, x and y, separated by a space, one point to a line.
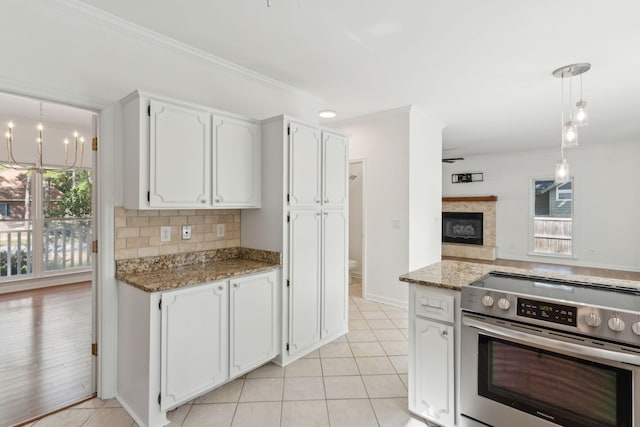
56 237
564 192
552 217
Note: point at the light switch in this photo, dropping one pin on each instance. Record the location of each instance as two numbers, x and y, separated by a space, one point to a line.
220 230
186 232
165 234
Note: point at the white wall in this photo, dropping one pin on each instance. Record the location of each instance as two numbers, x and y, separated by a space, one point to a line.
395 166
355 215
606 201
425 189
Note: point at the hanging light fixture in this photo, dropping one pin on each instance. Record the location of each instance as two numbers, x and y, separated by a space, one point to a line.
570 127
78 143
582 116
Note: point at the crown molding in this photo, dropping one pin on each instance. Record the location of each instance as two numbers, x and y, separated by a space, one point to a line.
121 25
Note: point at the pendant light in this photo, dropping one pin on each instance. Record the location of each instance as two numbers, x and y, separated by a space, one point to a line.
582 116
569 128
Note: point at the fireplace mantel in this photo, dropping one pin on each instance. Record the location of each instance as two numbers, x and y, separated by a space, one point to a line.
484 204
471 199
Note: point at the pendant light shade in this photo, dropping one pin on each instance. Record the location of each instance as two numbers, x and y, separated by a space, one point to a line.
569 135
581 116
562 171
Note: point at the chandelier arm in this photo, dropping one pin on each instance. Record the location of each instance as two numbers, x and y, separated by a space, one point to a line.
13 163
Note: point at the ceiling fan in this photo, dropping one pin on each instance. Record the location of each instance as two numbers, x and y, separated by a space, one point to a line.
452 159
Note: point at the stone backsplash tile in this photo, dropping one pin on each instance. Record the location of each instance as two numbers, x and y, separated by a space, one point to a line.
137 232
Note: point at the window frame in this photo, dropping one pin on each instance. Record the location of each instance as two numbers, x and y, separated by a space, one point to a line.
533 217
37 220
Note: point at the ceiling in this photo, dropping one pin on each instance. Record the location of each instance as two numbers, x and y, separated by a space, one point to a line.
483 68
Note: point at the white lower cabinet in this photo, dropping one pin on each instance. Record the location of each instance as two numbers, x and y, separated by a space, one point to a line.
194 354
253 313
174 346
432 355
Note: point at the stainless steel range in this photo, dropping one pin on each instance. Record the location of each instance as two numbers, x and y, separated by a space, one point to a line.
540 352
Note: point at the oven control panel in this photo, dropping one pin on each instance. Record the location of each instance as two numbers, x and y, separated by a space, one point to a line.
548 311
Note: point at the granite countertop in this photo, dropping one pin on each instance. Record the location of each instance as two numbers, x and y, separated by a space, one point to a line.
163 273
451 274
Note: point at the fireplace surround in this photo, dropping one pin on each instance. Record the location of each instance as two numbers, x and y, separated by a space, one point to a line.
486 205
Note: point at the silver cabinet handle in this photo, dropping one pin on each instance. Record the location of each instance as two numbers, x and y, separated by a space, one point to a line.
236 285
218 199
220 287
326 200
203 201
445 333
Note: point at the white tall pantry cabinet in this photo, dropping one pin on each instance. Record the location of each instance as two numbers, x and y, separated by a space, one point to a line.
304 215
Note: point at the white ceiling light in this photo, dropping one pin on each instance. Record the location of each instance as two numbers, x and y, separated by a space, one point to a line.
570 128
327 114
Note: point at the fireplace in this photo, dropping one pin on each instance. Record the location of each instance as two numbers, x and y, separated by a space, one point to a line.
462 227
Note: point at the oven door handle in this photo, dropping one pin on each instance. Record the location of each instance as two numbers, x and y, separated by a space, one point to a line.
553 344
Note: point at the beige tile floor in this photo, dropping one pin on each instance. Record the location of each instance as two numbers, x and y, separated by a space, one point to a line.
358 380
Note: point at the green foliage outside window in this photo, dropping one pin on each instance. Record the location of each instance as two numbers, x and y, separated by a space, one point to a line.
74 188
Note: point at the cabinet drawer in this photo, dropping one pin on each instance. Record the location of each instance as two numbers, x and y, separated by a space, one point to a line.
435 305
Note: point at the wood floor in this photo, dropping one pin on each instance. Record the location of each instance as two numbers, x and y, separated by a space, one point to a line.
45 351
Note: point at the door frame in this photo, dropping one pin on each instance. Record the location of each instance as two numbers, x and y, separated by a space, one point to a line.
363 240
106 182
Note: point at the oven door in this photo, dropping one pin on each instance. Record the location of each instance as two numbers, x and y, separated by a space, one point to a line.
518 375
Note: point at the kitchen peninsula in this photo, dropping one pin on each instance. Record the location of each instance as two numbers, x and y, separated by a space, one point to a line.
435 326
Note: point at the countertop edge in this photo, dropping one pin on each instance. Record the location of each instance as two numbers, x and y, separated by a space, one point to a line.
449 274
135 279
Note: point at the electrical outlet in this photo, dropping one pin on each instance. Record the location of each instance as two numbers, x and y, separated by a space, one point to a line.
186 232
220 230
165 234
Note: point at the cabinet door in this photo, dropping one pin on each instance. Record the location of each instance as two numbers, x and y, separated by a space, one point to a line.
335 155
304 279
434 364
334 273
180 140
194 342
236 160
304 165
253 310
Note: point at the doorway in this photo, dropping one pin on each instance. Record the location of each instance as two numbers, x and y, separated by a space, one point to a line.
356 228
46 259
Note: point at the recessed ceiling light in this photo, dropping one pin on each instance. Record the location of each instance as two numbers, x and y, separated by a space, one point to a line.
327 114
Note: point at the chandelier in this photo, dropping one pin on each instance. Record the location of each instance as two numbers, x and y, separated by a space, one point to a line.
577 118
78 146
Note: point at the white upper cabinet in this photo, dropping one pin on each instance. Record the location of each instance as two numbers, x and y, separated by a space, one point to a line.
177 155
335 164
179 151
236 161
304 165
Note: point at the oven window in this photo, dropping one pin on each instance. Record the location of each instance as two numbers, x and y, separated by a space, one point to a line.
555 387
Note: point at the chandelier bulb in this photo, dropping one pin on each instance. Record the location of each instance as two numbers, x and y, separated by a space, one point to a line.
40 127
66 141
11 124
8 134
81 139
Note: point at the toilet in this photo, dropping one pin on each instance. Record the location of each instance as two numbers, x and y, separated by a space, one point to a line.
353 264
